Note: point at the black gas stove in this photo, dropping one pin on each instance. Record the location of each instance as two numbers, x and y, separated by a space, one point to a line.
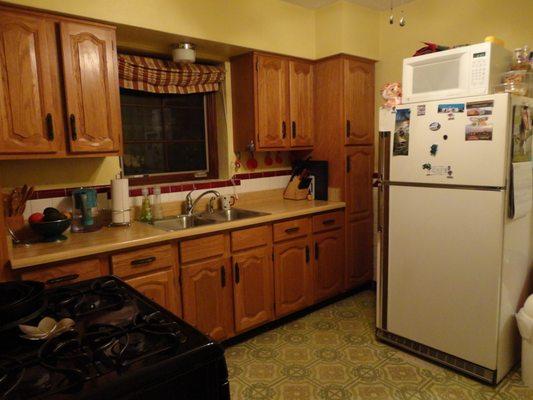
122 346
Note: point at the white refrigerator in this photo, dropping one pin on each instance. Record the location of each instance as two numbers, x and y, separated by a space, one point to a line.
454 264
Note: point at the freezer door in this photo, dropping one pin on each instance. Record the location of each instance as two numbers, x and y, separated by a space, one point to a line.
456 142
445 253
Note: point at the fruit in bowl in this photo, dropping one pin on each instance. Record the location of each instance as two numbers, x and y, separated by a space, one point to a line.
50 224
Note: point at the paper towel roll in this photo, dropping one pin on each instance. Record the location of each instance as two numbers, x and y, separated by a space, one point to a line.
120 201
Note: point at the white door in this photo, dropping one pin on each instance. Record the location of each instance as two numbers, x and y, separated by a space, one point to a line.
469 139
445 253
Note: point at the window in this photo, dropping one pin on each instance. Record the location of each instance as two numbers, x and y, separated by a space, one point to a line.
168 137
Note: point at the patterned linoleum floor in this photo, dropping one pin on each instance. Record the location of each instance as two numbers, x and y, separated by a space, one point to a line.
332 354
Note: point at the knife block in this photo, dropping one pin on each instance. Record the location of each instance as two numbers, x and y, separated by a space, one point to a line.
293 193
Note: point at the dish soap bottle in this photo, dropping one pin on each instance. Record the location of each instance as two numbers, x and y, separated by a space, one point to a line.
146 207
157 208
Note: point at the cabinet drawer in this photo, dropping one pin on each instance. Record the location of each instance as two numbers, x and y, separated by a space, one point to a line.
63 274
251 237
202 248
291 229
327 221
143 260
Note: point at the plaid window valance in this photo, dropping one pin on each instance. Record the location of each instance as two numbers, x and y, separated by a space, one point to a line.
162 76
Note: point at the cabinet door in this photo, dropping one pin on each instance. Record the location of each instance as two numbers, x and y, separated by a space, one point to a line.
301 103
91 86
272 102
207 297
330 266
293 276
359 168
359 101
160 287
359 251
253 288
30 103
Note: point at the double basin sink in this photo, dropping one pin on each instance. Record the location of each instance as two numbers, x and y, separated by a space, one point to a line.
191 221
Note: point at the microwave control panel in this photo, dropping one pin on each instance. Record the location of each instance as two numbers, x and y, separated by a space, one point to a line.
479 69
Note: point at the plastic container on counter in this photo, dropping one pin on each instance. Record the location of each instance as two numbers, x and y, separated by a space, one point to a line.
520 89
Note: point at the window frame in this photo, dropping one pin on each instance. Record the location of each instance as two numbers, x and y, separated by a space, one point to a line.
211 148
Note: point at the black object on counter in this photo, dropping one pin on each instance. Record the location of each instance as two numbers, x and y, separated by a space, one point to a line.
122 346
319 169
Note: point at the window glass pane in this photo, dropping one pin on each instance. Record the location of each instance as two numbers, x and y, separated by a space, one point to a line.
186 156
142 123
183 123
145 158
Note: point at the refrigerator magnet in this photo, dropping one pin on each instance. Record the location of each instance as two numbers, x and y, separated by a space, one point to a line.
421 110
450 108
434 126
401 133
478 129
476 108
433 149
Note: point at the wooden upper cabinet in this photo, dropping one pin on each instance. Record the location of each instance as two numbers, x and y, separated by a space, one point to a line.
293 276
91 86
253 288
207 297
272 102
30 102
359 167
160 287
359 101
301 103
330 265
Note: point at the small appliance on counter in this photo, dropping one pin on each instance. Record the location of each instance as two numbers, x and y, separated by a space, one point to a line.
84 210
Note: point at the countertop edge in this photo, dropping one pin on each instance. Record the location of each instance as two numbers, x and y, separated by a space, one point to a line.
164 236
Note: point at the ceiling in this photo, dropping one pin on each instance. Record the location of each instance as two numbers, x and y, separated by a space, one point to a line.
375 4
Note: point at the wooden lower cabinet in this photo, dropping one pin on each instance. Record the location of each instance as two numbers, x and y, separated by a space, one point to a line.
67 273
329 260
359 251
207 297
253 288
293 276
160 287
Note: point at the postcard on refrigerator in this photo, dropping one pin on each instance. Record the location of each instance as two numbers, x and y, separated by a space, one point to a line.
522 133
478 129
479 108
401 132
451 108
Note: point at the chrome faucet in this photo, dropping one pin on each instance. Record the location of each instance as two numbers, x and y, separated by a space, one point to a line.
190 204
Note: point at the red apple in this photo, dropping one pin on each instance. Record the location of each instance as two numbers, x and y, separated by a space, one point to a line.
35 217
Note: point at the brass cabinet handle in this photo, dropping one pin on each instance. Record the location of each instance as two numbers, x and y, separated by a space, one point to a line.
223 276
64 278
283 130
73 130
237 273
49 126
293 129
143 261
292 230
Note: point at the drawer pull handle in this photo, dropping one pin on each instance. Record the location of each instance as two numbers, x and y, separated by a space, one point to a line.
293 129
316 250
328 221
223 276
64 278
237 273
73 127
348 128
283 130
307 257
292 230
50 127
143 261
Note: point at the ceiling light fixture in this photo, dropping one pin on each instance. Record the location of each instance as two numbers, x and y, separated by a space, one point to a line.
184 53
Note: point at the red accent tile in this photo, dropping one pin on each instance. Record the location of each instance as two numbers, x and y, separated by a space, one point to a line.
255 175
237 182
50 193
202 185
175 188
283 173
102 189
241 176
135 192
165 189
187 187
268 174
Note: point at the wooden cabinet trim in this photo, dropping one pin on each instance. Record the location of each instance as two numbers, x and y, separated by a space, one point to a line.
291 229
143 260
328 221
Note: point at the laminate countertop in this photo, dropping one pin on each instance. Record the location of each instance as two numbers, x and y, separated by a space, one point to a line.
139 234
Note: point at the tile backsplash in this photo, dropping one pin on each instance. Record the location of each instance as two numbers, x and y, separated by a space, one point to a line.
240 183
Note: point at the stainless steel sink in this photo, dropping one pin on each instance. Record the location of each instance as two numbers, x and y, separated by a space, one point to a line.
190 221
232 214
181 222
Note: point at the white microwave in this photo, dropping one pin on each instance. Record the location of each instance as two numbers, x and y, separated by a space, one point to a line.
464 71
